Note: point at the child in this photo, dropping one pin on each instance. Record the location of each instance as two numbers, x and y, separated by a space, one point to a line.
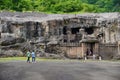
28 56
33 56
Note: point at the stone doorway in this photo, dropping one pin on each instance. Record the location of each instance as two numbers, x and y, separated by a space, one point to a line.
90 49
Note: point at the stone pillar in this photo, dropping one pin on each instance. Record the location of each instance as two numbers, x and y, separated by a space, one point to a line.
83 49
118 37
107 40
46 27
60 30
0 31
0 34
118 47
69 35
39 31
82 32
113 38
96 48
24 32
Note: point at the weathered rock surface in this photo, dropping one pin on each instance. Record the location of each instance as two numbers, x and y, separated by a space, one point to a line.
11 53
11 41
51 32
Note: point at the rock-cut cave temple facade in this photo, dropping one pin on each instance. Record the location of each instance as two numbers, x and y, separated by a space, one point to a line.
78 35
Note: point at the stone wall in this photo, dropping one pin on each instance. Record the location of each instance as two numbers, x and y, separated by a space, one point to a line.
73 52
108 51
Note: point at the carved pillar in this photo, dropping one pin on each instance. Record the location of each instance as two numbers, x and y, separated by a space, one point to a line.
96 48
60 30
118 47
0 30
68 35
107 38
83 49
118 37
39 31
82 32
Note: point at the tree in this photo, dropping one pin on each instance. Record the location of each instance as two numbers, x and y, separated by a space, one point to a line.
61 6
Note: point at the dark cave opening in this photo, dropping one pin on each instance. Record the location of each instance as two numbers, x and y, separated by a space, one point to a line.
74 30
65 30
89 30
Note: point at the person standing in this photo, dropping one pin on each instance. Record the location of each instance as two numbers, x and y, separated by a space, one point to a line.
33 56
28 56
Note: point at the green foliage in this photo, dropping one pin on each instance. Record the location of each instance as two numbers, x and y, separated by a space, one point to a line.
68 6
61 6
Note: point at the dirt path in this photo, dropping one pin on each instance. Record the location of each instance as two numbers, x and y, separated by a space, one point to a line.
60 70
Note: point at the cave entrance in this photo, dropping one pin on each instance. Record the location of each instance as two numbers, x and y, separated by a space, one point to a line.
65 30
74 30
89 30
90 49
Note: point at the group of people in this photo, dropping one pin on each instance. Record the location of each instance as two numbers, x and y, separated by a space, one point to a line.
29 55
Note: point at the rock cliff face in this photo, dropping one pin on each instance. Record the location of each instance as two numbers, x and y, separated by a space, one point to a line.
38 31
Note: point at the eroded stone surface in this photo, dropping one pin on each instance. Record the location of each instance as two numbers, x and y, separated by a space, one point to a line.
91 31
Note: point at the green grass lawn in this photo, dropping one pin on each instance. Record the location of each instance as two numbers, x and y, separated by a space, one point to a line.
7 59
12 59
